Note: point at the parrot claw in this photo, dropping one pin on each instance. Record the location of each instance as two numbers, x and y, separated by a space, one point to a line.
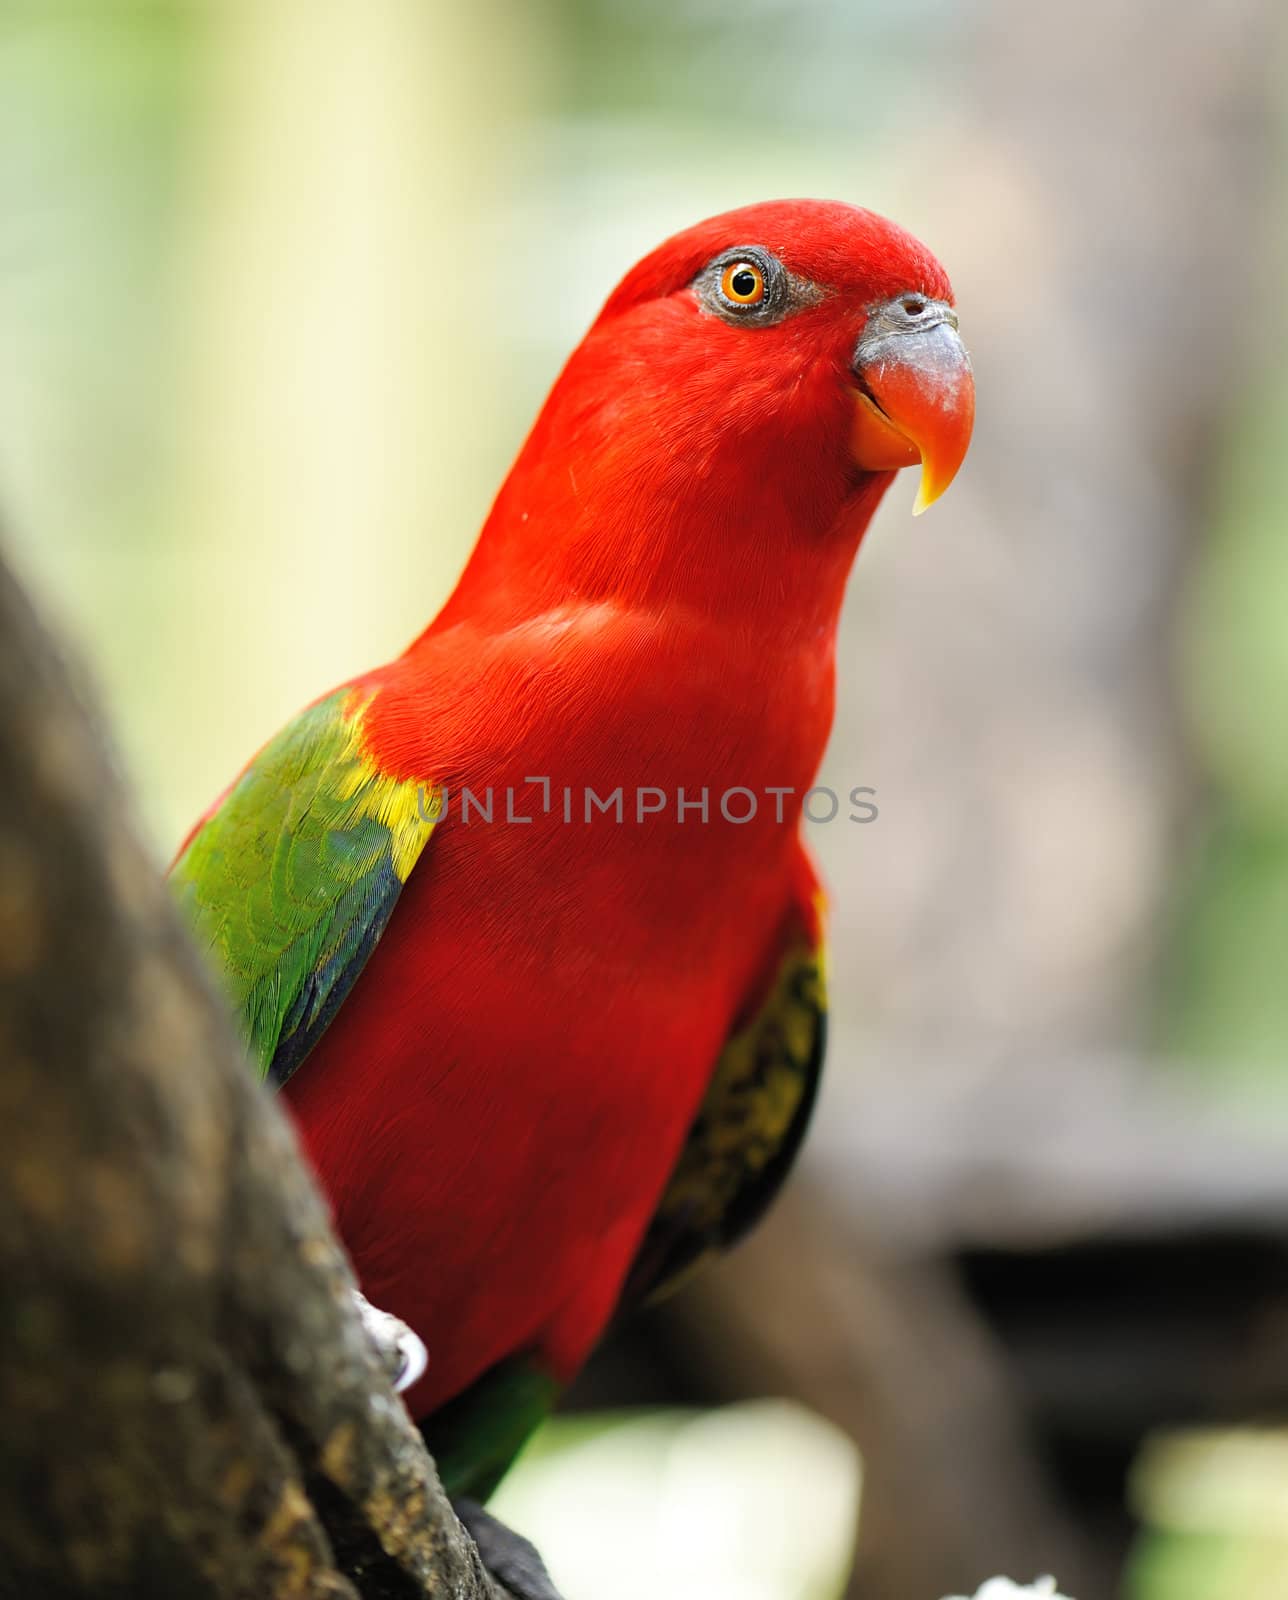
508 1556
402 1352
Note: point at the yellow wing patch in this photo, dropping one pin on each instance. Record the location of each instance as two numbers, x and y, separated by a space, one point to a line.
408 811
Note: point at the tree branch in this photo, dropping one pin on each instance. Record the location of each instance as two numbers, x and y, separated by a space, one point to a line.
190 1403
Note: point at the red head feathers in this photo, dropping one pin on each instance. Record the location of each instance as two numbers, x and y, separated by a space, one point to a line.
722 434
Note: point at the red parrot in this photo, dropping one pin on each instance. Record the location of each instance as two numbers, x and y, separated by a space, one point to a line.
545 1051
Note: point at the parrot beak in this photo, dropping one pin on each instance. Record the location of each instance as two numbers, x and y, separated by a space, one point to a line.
915 395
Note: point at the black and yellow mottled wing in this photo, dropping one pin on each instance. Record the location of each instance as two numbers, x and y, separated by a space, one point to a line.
748 1132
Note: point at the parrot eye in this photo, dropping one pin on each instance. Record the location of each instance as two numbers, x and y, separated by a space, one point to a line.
743 282
747 284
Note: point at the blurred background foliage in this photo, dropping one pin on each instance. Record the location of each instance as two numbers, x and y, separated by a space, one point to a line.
282 283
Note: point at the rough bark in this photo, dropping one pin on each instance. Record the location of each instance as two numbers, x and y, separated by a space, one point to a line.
190 1404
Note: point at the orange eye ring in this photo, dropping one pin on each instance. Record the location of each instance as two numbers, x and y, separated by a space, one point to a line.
742 283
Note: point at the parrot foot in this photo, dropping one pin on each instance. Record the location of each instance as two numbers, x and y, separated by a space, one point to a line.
508 1556
402 1353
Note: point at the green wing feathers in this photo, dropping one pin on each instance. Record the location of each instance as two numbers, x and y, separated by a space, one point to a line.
289 883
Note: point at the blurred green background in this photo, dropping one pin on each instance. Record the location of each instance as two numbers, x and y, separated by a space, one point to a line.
282 284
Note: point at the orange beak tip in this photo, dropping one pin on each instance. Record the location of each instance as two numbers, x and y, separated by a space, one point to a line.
921 397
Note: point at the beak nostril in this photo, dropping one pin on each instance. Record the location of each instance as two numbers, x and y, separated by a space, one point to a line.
913 304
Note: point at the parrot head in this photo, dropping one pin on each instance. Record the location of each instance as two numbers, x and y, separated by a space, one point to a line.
809 317
726 428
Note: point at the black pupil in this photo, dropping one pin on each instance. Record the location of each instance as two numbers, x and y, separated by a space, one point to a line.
743 282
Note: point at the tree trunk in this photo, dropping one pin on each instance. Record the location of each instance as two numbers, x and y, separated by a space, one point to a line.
190 1404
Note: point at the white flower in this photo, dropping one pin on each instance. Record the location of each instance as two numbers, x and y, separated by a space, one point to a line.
1004 1589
